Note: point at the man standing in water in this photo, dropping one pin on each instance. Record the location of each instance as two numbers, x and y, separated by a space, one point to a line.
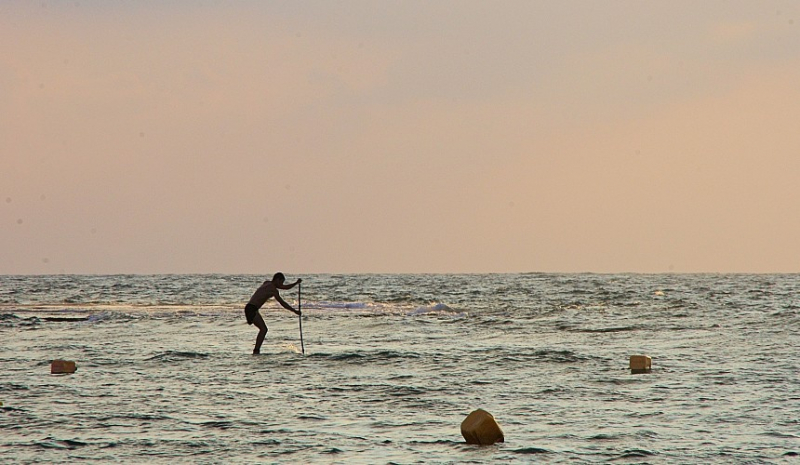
260 296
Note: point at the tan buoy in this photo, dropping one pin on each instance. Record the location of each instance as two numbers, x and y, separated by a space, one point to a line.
62 366
480 428
641 364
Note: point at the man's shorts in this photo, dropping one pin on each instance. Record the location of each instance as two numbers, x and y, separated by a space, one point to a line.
250 311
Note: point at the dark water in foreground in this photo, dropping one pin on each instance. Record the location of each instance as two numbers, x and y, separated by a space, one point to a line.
394 363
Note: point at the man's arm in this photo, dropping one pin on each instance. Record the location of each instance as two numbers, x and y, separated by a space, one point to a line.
289 286
286 305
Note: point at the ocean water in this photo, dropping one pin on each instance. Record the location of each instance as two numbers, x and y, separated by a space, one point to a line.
394 363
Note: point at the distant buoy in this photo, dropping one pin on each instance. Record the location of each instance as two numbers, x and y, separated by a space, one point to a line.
480 428
641 364
62 366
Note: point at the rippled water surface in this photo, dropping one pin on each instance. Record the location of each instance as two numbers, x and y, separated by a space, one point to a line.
394 363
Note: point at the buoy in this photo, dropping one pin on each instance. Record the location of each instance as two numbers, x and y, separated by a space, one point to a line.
640 364
480 428
62 366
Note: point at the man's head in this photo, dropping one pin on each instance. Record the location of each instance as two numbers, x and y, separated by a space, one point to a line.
278 278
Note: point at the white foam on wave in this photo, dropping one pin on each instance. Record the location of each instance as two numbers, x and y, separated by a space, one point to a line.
95 317
102 313
437 309
336 305
348 308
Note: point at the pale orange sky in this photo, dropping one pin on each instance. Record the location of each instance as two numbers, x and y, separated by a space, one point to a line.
414 136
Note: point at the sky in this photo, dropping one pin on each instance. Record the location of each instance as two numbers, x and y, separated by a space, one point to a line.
399 136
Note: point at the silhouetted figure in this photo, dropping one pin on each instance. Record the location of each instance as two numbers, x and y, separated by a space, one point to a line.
260 296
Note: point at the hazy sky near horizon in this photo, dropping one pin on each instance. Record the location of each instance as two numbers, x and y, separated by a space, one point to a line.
399 136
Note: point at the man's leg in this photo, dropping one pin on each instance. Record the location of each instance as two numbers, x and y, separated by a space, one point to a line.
262 332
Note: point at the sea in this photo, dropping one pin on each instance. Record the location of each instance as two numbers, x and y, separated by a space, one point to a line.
383 368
